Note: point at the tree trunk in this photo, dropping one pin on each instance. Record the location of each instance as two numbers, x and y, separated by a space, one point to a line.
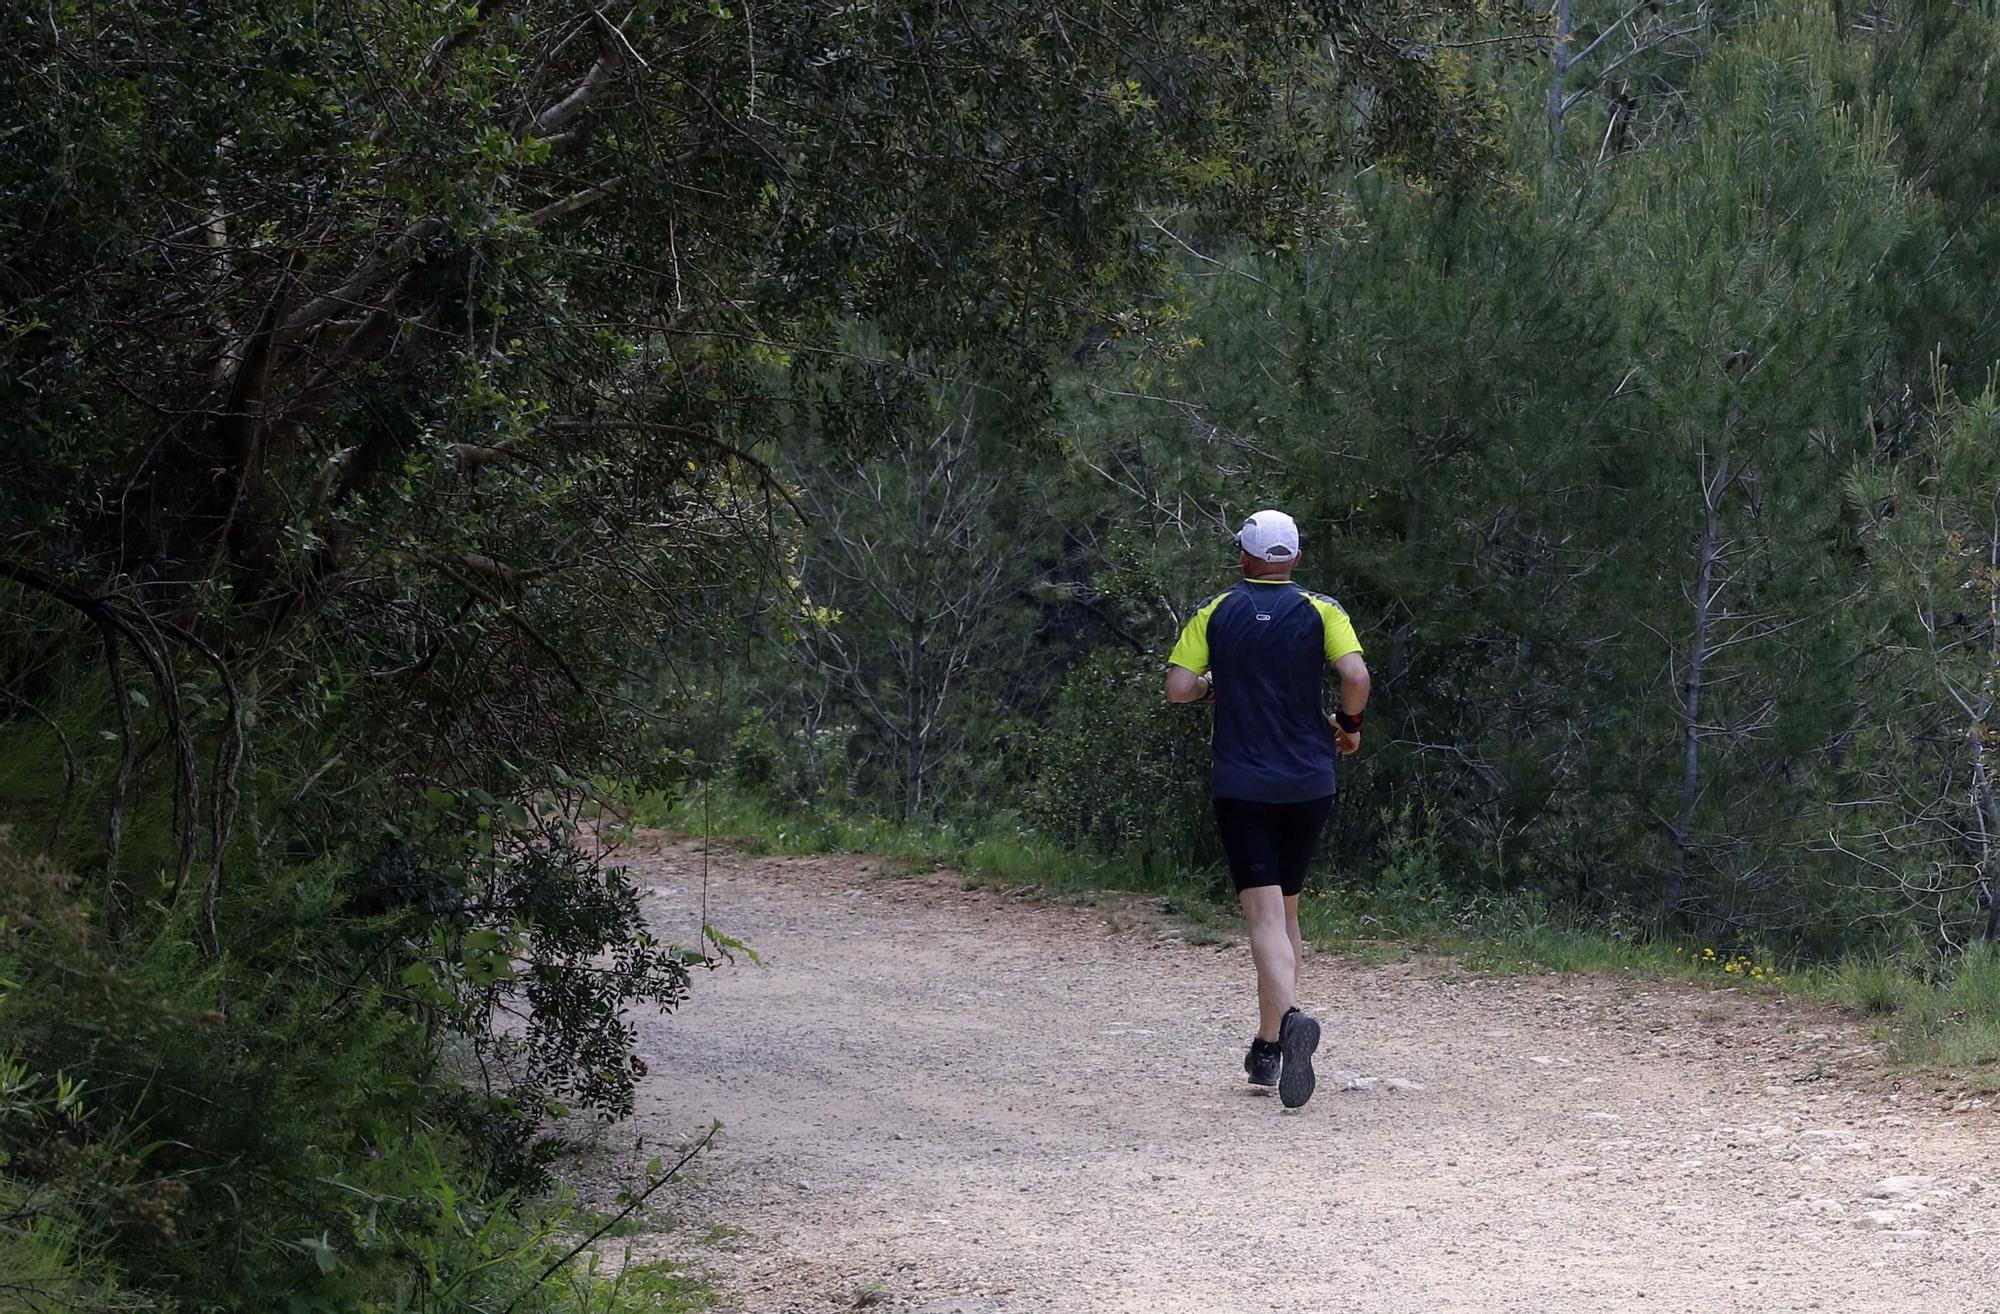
1558 77
1985 811
913 732
1704 599
1400 638
1984 814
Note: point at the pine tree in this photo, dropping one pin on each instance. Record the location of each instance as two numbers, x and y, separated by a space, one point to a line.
1920 820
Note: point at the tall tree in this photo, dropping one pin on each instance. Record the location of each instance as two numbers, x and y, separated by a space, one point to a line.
1921 816
910 560
1750 256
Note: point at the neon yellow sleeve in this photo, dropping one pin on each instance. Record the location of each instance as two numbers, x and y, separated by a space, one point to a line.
1340 636
1191 651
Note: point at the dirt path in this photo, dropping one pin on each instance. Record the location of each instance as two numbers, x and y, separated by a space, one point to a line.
961 1102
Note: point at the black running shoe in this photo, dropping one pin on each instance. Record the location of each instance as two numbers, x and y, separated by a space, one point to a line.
1298 1037
1262 1062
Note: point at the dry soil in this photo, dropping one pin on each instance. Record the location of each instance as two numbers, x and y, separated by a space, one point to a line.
965 1101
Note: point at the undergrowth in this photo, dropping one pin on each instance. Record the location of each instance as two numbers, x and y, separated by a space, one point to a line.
996 854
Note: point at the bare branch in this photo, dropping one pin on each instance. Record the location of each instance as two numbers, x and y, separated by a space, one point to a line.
570 204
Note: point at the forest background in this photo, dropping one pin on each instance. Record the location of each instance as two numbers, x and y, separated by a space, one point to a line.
427 427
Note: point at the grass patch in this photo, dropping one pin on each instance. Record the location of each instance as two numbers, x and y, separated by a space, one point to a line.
640 1222
724 1236
998 855
1873 987
1933 1016
612 1280
658 1287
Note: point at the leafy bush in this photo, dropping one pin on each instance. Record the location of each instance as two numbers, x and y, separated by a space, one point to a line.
184 1121
1120 771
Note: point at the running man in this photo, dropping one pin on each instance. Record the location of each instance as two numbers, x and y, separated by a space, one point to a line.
1259 652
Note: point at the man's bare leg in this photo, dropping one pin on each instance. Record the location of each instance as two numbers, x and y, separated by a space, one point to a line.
1271 949
1298 942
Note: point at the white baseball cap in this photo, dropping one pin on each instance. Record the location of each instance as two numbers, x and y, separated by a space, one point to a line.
1270 536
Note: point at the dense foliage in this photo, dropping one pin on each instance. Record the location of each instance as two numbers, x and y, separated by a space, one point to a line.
1658 480
383 385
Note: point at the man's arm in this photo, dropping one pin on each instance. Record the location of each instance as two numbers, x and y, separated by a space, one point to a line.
1343 650
1185 686
1354 686
1188 680
1354 683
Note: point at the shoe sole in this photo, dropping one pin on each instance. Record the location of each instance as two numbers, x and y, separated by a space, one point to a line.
1298 1038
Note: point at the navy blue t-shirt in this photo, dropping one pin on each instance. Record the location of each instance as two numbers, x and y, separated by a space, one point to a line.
1269 643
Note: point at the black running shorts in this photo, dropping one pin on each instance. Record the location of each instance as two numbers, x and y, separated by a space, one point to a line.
1271 843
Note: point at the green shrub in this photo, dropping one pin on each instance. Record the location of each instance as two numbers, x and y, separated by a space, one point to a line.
301 1121
1121 772
44 1261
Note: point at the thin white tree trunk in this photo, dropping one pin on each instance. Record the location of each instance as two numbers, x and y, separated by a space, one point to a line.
1559 62
1986 815
1698 652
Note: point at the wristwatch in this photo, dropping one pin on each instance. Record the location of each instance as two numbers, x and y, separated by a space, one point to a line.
1350 723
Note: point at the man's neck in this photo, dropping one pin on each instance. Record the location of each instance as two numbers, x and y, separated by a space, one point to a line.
1262 571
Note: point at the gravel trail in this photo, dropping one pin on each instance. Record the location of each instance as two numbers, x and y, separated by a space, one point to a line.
959 1101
